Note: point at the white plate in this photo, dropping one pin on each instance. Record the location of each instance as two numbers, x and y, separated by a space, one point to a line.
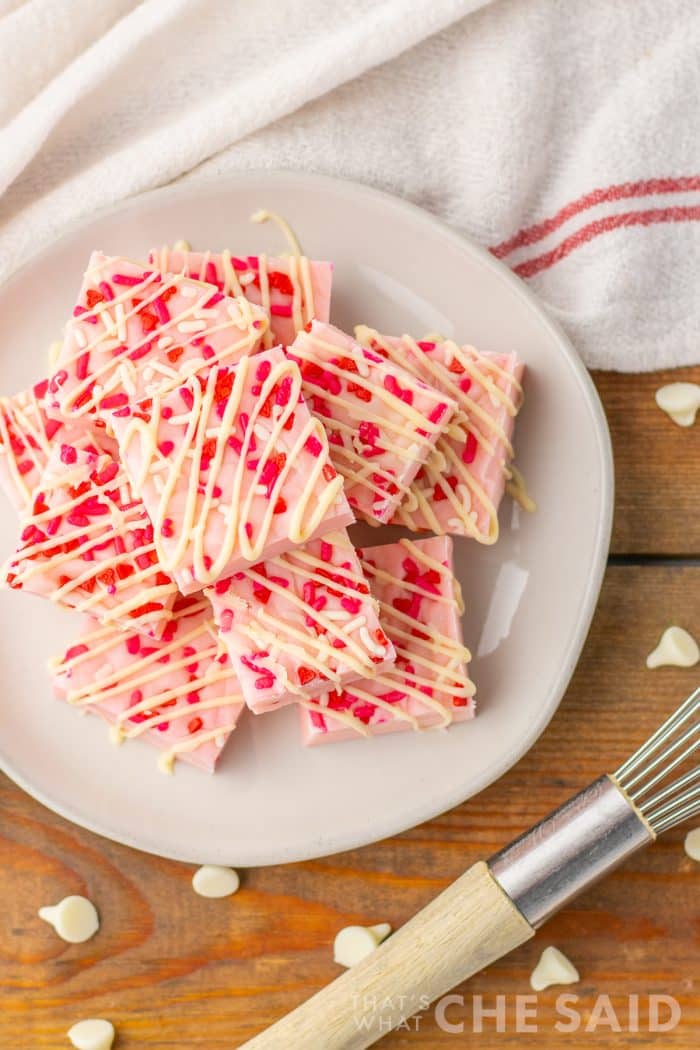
529 599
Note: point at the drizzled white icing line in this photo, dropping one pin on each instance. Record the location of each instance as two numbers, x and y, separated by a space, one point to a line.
404 443
470 416
311 507
297 268
448 680
240 316
28 562
146 669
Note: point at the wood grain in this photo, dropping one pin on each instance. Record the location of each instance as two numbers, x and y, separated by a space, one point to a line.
657 502
175 971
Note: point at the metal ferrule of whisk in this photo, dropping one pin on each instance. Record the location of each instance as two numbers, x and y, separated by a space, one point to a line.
605 823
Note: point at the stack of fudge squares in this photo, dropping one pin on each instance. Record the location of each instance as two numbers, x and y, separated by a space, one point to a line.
185 477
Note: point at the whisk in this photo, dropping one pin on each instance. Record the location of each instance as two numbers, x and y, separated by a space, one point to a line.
496 906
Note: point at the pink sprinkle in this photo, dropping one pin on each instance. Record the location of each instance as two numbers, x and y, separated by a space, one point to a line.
136 696
166 528
208 352
108 474
326 551
124 279
266 682
53 526
166 412
215 298
284 392
465 384
166 447
114 401
280 310
68 454
469 450
187 397
226 620
210 274
106 290
162 312
351 605
25 467
426 347
57 380
122 412
217 492
262 371
81 367
239 264
52 427
79 310
437 413
133 645
253 262
248 530
313 445
75 650
221 586
141 351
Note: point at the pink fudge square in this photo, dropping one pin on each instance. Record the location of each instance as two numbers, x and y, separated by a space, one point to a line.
459 489
88 544
135 332
293 290
180 694
232 469
382 422
420 606
27 435
297 621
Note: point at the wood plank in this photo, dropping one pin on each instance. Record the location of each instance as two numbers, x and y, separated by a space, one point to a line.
657 466
175 971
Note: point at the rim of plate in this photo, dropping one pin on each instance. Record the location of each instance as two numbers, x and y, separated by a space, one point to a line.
386 827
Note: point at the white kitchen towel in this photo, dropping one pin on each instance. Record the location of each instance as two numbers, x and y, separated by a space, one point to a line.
561 134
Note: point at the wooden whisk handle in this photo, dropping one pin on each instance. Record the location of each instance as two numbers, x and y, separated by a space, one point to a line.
467 927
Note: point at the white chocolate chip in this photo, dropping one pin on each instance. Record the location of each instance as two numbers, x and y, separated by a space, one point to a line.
354 943
74 919
553 968
182 246
680 401
213 881
692 844
677 648
93 1034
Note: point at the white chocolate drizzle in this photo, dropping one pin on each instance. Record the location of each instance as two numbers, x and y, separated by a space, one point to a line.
85 544
429 680
465 507
244 521
254 277
128 323
346 640
159 688
381 419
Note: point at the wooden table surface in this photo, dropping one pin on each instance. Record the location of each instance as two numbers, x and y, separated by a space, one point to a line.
173 970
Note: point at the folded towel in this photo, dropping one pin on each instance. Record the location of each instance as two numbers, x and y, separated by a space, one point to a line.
561 134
